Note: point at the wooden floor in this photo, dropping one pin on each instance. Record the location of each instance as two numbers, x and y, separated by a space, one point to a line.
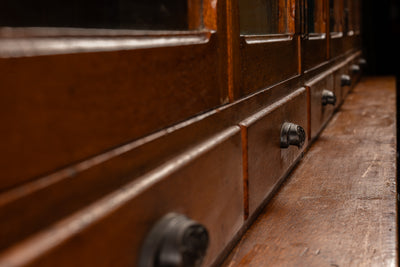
338 207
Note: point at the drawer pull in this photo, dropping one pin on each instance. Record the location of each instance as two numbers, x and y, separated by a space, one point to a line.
328 97
292 135
355 69
345 80
175 240
362 62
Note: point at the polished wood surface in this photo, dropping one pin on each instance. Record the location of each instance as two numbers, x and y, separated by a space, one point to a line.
78 185
106 131
338 72
314 52
70 94
256 56
319 114
86 92
205 183
339 206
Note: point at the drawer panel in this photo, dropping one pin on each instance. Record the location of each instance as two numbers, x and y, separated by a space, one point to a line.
60 109
205 184
355 71
257 72
336 45
323 100
314 53
342 81
267 162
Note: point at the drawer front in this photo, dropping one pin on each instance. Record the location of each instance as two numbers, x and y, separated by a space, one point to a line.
205 184
342 82
323 100
267 162
257 72
336 46
355 70
314 53
61 109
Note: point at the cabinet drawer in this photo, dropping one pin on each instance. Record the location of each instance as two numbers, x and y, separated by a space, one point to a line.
323 100
342 81
257 72
355 71
61 109
336 45
266 161
205 184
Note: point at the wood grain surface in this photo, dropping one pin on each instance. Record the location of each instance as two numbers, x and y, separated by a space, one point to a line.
257 72
314 53
60 109
205 183
338 207
70 189
267 162
70 95
319 114
338 72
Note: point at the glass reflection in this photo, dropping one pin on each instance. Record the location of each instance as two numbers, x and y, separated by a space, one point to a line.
108 14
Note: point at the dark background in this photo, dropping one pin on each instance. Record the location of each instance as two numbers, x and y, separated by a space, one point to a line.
381 34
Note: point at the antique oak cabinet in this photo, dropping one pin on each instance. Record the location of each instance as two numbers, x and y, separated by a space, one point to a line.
152 133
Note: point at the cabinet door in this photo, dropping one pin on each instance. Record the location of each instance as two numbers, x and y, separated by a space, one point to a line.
82 77
268 43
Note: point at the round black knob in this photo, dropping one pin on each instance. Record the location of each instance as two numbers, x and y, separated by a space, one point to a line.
174 241
292 135
355 69
328 97
362 62
345 80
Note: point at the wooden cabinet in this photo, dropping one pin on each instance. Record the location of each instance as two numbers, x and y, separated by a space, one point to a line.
117 115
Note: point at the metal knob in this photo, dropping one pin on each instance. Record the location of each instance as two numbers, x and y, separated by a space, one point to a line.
292 135
345 80
174 241
328 97
355 69
362 62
